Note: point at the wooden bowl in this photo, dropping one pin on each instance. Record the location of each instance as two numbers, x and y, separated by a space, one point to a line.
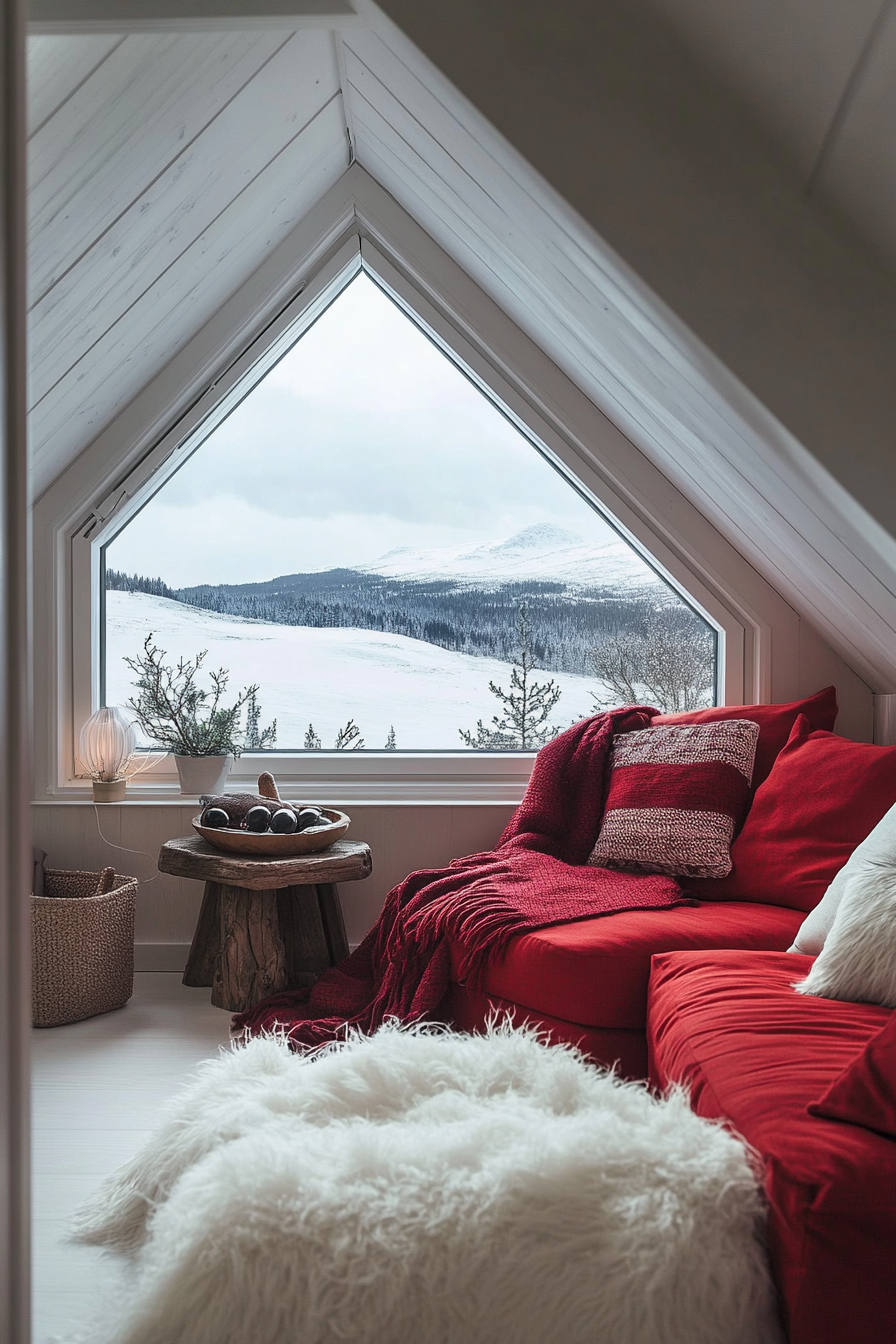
266 844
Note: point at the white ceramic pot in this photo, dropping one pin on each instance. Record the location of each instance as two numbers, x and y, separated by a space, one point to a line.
202 774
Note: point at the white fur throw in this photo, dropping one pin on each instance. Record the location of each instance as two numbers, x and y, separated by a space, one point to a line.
858 960
422 1187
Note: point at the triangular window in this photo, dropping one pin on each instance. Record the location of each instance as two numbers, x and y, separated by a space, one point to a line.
372 543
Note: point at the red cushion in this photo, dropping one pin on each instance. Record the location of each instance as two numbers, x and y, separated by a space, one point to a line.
594 971
823 797
865 1093
729 1027
775 723
470 1010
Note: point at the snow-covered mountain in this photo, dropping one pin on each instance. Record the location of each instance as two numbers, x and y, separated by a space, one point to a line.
542 551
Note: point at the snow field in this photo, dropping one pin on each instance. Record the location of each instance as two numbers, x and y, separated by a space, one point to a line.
327 676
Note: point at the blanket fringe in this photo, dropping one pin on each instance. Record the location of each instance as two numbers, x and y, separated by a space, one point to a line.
476 905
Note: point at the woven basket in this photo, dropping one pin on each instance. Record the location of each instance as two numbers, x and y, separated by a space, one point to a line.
82 947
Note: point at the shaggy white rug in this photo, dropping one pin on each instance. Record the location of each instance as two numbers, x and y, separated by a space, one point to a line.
422 1187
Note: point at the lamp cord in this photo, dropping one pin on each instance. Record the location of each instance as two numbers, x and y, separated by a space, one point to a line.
125 849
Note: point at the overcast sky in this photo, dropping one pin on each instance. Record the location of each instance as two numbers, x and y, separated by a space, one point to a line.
363 438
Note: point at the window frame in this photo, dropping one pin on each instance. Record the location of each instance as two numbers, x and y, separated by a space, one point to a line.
516 376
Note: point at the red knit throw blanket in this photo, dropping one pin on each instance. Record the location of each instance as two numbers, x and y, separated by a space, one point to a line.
535 877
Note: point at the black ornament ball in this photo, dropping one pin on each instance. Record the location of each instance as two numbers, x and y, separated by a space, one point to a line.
308 817
258 819
215 817
284 821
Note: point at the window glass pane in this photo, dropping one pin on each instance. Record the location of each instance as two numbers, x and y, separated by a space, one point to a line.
372 544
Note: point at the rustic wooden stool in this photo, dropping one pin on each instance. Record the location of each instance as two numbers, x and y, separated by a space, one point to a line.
265 924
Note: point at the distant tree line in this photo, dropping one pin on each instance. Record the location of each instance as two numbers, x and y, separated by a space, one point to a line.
564 625
118 582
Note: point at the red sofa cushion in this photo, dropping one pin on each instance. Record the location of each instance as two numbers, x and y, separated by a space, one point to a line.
775 723
823 797
755 1053
594 972
865 1093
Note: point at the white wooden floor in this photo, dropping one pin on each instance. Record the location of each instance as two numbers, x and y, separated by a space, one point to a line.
97 1089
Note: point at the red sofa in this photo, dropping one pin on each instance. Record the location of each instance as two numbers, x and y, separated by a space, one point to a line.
703 996
754 1054
586 982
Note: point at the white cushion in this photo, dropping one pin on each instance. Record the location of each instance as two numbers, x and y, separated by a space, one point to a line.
877 848
858 960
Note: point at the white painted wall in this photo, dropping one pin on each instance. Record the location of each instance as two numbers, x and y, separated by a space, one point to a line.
402 838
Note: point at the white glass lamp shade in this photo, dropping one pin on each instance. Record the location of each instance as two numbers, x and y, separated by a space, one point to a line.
107 744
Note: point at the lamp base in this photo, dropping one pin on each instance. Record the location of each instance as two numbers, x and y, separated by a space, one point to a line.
109 790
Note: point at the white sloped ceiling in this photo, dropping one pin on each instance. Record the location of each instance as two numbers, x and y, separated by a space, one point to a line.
163 168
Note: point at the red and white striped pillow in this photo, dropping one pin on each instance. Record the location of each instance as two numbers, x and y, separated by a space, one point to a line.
676 795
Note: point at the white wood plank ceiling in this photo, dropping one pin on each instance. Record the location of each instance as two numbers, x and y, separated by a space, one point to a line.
162 170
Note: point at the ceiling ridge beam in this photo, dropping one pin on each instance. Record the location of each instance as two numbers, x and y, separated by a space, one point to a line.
345 86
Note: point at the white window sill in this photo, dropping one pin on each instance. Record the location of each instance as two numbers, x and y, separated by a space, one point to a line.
474 778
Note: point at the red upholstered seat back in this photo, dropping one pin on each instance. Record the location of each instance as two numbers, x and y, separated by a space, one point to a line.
822 798
775 723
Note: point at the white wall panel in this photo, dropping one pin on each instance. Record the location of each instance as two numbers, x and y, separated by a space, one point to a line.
163 221
141 113
175 164
402 839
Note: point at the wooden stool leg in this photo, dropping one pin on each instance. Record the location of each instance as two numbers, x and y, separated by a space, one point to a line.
334 924
304 935
252 962
206 942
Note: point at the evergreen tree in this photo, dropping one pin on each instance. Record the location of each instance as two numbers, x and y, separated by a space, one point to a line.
258 738
523 723
349 737
312 741
390 740
118 581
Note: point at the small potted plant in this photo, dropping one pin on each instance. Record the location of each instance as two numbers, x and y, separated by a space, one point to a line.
202 733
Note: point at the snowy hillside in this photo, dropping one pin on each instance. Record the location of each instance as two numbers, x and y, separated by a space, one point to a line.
540 552
325 676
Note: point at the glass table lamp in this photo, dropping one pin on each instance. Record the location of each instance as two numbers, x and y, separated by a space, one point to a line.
107 747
